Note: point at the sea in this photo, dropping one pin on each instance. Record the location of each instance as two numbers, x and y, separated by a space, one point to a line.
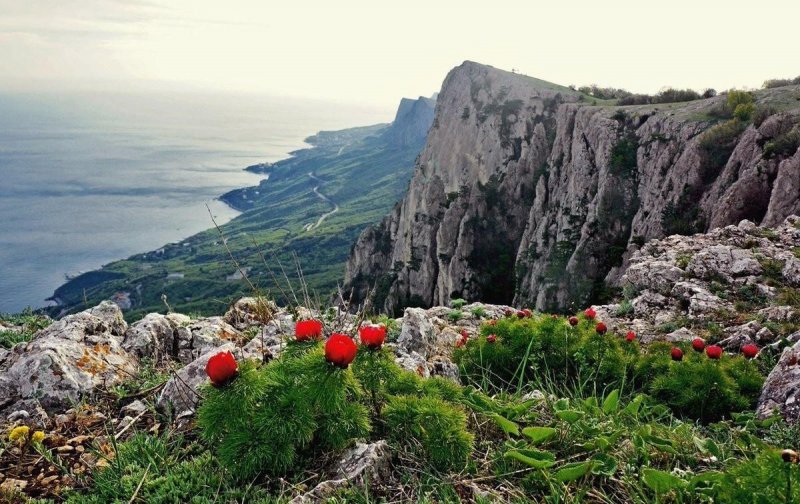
88 178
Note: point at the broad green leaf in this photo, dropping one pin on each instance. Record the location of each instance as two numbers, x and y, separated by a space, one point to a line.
707 446
534 458
505 424
569 416
632 408
561 404
590 401
612 402
539 434
661 482
573 471
660 443
603 464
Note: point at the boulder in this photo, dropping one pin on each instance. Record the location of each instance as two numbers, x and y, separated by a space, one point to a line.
417 333
202 335
363 464
66 361
781 391
151 337
250 311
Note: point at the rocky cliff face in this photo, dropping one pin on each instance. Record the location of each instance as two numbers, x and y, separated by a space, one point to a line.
532 193
411 123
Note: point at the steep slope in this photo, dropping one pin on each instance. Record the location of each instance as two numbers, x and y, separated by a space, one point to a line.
359 173
532 193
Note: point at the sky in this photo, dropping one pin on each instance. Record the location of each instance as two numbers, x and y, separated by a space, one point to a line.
374 52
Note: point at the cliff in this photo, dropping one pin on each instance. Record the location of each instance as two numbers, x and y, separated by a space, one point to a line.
535 194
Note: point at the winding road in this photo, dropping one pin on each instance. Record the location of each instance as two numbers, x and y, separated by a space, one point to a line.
314 225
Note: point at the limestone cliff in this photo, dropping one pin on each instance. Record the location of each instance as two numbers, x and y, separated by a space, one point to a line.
536 194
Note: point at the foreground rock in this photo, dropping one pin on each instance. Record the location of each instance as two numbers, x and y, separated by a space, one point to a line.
781 392
361 464
69 359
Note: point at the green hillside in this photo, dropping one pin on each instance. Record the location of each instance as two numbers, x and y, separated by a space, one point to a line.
352 177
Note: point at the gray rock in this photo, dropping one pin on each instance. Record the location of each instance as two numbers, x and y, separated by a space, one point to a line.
135 408
360 465
781 391
779 313
64 362
202 335
417 333
151 337
250 311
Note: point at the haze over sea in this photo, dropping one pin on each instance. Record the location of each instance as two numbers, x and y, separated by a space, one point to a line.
88 178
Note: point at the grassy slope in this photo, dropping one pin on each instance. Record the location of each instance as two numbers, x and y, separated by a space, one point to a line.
359 171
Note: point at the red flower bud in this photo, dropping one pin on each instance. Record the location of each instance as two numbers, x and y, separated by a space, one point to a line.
749 351
698 344
527 313
306 330
520 314
372 336
573 321
590 313
714 351
491 338
600 328
491 323
676 354
630 336
460 342
340 350
509 312
221 368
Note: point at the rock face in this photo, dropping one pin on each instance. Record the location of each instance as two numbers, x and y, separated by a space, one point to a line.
69 359
528 192
411 123
781 392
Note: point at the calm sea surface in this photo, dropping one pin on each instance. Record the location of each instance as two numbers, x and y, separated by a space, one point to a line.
86 179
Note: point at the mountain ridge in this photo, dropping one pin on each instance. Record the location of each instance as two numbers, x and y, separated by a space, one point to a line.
535 194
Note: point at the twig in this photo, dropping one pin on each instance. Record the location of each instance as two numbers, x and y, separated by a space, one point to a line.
139 487
120 433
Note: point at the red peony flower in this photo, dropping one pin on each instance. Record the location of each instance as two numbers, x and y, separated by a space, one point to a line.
676 353
340 350
573 321
750 351
590 313
460 342
372 336
630 336
509 312
491 338
527 313
520 314
221 368
714 351
306 330
491 323
699 344
600 328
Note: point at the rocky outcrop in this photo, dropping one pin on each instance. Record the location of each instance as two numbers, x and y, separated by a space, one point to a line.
68 360
730 286
532 193
411 123
781 392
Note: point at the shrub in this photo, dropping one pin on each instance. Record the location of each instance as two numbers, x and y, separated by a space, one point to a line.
773 83
431 428
708 391
762 113
744 111
783 145
266 419
717 145
542 348
455 315
457 303
736 98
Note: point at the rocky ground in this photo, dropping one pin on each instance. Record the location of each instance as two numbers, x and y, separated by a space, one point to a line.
91 379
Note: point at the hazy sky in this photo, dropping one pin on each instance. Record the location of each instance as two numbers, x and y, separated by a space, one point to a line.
376 52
